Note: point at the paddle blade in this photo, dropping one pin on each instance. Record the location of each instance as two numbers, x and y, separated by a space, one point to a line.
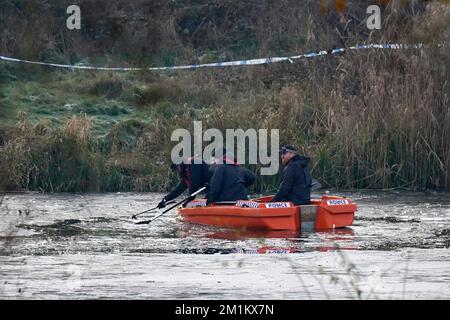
144 222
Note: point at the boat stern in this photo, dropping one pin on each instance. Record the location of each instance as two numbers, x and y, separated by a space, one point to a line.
334 212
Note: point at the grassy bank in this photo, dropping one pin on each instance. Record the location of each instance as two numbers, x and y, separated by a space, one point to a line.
369 119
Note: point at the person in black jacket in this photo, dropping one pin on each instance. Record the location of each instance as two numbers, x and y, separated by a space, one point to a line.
226 185
247 177
296 184
192 176
228 181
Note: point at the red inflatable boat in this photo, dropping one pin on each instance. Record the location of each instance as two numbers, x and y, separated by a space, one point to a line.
329 212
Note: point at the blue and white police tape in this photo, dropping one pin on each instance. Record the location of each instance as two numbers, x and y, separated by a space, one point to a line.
221 64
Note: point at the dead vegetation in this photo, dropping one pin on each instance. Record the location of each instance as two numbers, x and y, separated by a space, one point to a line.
368 119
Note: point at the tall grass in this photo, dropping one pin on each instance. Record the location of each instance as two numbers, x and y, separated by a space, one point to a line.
69 159
371 119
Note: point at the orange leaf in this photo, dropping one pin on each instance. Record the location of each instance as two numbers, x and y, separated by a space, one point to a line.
339 5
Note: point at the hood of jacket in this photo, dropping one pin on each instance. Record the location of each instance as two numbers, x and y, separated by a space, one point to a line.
303 161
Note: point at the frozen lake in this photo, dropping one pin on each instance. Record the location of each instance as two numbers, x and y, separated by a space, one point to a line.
86 246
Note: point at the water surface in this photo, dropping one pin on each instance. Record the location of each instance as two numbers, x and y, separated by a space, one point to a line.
84 246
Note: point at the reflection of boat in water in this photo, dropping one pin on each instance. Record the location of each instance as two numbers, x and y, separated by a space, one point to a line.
296 242
330 240
329 212
242 234
282 250
268 250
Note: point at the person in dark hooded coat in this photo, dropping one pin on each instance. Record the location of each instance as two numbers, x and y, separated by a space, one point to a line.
228 181
192 176
296 183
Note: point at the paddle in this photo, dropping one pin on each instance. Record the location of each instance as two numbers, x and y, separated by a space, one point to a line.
138 214
175 205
